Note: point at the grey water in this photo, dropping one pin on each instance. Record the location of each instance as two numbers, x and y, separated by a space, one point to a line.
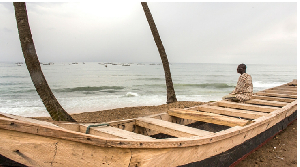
90 86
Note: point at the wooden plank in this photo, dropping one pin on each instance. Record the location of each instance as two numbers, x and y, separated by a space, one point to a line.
172 129
231 112
30 120
273 98
40 151
208 117
276 95
281 92
288 88
266 102
115 133
246 106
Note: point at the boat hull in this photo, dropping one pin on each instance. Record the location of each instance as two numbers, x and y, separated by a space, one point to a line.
34 150
234 155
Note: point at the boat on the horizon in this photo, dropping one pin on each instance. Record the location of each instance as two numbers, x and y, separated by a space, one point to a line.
48 63
19 63
218 133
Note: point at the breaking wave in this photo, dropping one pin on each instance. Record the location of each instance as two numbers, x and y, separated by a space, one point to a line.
92 88
206 85
131 94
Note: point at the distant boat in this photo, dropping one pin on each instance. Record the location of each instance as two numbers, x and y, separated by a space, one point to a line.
75 63
83 63
48 63
125 64
152 64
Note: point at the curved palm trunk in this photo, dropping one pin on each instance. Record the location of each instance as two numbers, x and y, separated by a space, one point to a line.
171 97
55 110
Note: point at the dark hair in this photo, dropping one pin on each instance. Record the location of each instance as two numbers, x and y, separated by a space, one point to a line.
243 66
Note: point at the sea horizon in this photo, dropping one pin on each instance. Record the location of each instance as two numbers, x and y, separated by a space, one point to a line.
93 87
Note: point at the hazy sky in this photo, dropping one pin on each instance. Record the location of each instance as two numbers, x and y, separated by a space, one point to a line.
194 32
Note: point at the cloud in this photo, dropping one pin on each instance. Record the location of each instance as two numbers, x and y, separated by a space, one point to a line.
191 32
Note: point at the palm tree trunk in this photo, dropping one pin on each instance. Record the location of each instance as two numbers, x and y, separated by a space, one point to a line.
55 110
171 97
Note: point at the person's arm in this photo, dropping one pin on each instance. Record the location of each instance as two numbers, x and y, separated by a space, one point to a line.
236 89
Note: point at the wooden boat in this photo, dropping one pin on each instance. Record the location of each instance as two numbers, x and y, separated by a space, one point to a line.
213 134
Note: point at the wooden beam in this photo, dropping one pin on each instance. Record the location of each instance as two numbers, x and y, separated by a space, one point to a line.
265 102
276 95
109 131
246 106
169 128
273 98
30 120
288 88
231 112
208 117
281 92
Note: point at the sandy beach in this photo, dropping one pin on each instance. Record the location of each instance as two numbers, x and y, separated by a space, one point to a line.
281 150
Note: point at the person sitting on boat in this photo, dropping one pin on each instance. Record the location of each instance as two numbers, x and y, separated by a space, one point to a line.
244 88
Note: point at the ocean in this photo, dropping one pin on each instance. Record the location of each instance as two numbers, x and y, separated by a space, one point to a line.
90 86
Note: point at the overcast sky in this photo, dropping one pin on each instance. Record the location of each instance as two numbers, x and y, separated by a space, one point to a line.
194 32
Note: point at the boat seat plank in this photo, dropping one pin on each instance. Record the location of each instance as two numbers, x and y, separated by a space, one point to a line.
273 98
231 112
119 133
208 117
281 92
276 95
288 88
265 102
173 129
228 104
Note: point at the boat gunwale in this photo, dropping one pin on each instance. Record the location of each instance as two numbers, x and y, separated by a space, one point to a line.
33 128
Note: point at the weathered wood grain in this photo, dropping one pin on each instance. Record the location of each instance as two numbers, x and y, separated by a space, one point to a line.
276 95
288 88
273 98
228 104
265 102
40 151
208 117
115 133
279 91
172 129
231 112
